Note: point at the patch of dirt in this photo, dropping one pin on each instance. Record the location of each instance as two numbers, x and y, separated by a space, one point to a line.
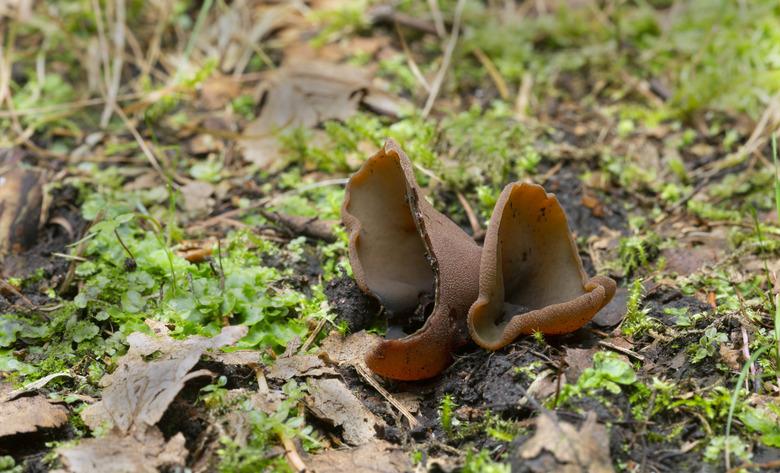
52 238
350 304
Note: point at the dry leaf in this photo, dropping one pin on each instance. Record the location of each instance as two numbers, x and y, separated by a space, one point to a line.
217 91
543 386
376 456
298 366
28 414
730 356
332 401
302 95
574 451
578 360
348 350
614 311
137 394
197 198
124 454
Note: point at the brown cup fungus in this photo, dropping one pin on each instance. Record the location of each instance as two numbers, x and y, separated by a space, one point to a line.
531 276
403 251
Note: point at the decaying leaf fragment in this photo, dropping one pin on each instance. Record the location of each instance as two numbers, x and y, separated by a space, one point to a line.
559 446
302 95
115 453
376 456
26 414
137 394
288 367
331 400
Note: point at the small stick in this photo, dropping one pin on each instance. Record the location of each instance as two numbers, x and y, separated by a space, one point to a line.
438 19
362 371
622 350
312 336
476 228
410 60
493 72
291 452
448 51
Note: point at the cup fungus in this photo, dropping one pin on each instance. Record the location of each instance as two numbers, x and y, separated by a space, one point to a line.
403 251
531 277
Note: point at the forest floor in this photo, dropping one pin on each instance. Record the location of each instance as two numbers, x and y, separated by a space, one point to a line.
172 178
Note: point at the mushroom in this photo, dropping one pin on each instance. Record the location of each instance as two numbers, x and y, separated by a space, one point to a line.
402 250
21 205
531 276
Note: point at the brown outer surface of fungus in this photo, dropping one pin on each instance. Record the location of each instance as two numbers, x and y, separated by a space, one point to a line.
531 272
401 248
21 203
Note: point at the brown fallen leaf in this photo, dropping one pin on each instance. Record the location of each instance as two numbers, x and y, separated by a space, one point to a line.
299 366
217 91
614 311
21 204
730 356
578 360
26 414
146 452
138 392
688 260
348 350
330 400
302 95
197 198
572 450
196 251
377 456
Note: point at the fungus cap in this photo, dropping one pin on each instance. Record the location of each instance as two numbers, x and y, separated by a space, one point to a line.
531 275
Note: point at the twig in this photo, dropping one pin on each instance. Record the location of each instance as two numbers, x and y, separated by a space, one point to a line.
387 14
523 96
493 72
142 143
476 228
438 19
119 47
311 227
362 371
10 288
291 452
310 339
622 350
448 51
410 60
768 466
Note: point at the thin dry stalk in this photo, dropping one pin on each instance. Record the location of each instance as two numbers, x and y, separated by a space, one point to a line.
523 96
410 60
493 72
112 86
438 81
291 452
438 18
142 143
476 228
363 371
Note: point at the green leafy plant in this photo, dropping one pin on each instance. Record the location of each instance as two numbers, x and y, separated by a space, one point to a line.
481 462
637 319
447 407
266 430
708 344
609 372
